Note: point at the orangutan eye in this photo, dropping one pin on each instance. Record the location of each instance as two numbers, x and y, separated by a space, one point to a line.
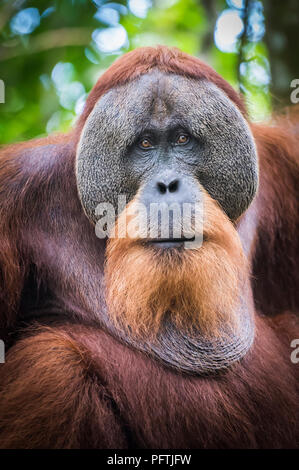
182 139
145 144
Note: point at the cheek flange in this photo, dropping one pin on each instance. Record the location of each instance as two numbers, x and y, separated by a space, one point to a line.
100 171
228 164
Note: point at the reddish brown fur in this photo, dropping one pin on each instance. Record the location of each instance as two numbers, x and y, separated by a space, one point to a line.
36 368
277 249
16 184
198 287
75 386
72 385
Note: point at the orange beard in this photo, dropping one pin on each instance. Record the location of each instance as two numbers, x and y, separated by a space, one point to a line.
198 287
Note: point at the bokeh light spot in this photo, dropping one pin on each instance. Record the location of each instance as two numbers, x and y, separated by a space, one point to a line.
256 73
240 4
110 39
62 73
139 7
229 28
107 15
70 93
25 21
256 22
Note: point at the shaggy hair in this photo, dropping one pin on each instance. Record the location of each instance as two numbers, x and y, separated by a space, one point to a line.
197 287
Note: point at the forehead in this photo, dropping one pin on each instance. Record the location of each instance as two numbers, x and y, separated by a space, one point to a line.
160 93
159 97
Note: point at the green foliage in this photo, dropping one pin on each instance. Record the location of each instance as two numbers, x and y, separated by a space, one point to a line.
49 68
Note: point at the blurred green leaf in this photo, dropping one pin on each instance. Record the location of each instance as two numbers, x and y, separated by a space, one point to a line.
61 32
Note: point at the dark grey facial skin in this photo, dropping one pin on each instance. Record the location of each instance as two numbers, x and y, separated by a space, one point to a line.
220 153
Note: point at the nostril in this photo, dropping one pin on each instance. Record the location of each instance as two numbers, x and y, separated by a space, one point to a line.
173 186
162 188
